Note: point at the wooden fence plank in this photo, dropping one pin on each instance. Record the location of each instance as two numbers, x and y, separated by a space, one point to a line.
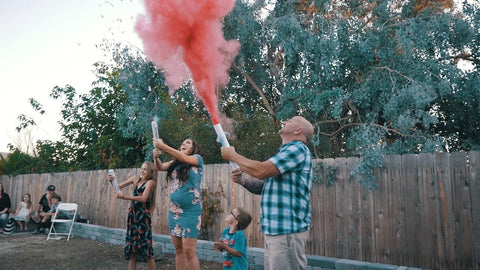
209 186
329 216
462 206
341 202
222 185
474 176
382 217
162 205
427 181
411 198
352 208
444 211
251 203
393 163
15 197
367 226
317 225
242 200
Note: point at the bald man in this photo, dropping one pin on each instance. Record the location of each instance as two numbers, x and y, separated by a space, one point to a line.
285 183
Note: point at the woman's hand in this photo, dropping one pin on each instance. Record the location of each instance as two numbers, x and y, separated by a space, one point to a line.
159 144
157 152
119 195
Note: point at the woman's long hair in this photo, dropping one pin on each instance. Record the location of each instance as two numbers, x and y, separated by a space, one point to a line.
183 168
151 176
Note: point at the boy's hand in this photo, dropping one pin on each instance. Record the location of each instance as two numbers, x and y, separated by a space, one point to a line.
219 245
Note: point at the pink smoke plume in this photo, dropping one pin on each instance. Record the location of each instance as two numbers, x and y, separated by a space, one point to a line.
184 38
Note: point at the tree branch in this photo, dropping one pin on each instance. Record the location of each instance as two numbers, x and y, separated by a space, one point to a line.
397 72
333 120
464 56
336 131
389 130
255 86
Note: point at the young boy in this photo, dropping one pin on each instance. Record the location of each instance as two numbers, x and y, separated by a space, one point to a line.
46 220
233 242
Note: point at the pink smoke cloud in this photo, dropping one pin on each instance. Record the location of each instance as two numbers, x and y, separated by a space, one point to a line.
184 38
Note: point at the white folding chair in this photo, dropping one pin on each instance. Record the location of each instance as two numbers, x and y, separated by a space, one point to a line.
65 214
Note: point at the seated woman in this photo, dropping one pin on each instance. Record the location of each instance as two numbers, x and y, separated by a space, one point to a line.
5 205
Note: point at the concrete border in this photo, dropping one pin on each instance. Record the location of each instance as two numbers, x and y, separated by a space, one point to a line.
163 245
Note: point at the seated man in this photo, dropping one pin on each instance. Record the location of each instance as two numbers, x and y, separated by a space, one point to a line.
43 207
47 217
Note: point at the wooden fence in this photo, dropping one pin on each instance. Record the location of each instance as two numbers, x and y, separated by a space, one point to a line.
424 213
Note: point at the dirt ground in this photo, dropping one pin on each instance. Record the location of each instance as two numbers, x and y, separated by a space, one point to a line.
22 250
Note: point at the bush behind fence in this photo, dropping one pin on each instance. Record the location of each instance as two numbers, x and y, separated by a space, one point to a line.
424 213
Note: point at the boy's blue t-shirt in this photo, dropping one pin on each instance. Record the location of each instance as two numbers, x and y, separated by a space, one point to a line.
54 208
238 242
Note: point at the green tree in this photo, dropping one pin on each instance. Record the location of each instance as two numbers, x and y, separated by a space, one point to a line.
17 163
179 116
94 129
91 133
375 77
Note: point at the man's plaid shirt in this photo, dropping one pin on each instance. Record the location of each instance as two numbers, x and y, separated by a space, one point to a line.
285 201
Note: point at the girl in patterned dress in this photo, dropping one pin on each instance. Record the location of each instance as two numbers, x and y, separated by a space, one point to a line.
184 174
138 244
23 211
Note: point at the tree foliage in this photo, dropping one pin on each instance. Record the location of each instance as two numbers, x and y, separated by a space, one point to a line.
92 137
17 163
374 77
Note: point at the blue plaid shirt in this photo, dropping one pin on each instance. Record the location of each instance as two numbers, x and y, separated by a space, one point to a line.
285 201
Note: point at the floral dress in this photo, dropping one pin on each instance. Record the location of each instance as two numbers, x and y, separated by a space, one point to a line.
185 213
139 230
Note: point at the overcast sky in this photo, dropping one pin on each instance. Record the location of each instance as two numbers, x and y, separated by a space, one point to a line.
52 42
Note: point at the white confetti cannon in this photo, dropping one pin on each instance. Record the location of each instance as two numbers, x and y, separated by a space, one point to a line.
114 181
155 129
223 140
